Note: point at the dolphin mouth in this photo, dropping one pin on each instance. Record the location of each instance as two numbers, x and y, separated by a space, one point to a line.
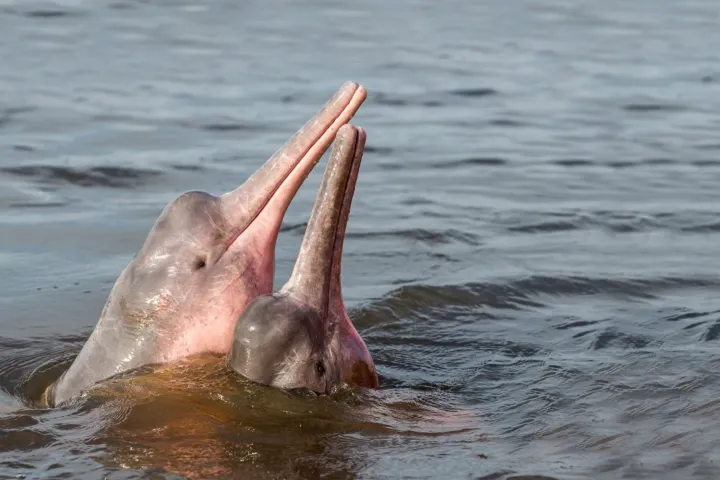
269 191
320 257
355 153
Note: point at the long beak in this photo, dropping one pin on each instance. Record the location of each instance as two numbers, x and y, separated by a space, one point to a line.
316 275
271 188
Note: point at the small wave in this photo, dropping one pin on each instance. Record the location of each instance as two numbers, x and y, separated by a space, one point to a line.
46 13
430 99
27 366
506 122
709 319
575 324
658 161
429 237
705 163
549 226
26 439
293 227
101 176
378 150
44 203
699 228
391 166
187 168
226 127
522 293
625 164
624 226
507 349
389 100
221 126
620 222
474 92
713 332
611 338
8 114
23 148
510 475
472 161
573 162
124 5
708 146
653 107
689 315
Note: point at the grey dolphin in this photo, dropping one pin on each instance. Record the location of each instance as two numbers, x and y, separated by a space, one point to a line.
301 336
204 260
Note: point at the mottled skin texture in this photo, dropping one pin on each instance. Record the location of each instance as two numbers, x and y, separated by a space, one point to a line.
301 336
204 260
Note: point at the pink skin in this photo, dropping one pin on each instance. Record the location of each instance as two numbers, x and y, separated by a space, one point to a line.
204 260
301 337
349 351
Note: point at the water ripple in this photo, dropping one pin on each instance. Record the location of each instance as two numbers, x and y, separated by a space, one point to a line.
532 255
99 176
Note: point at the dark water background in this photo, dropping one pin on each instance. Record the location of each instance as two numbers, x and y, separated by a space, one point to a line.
533 254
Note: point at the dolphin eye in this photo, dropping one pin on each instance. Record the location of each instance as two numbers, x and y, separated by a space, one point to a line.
320 368
200 263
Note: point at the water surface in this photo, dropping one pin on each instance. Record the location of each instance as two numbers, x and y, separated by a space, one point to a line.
533 254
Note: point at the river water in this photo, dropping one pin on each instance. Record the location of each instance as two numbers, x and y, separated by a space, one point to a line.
533 256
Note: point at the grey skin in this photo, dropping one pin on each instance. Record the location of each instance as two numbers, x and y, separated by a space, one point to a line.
301 336
204 260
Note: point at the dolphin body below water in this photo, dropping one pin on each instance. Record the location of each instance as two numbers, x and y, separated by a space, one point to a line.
203 261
